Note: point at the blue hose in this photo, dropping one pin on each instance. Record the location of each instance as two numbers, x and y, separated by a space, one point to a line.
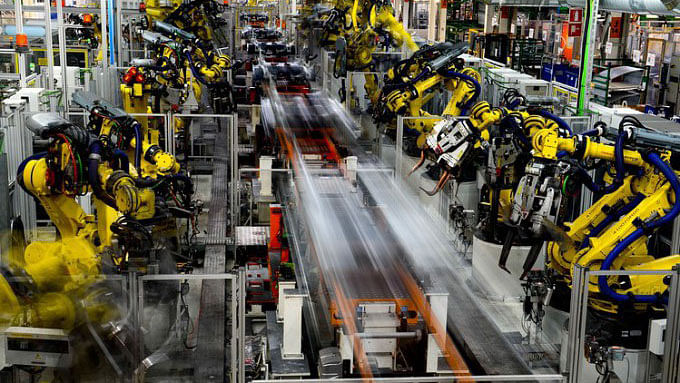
618 156
588 181
670 175
591 132
515 104
611 218
36 156
387 89
515 128
198 76
618 164
138 145
122 157
560 122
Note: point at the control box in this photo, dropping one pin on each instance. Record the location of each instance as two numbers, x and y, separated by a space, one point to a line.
29 346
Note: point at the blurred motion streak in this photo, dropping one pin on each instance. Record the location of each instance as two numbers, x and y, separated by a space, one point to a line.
365 252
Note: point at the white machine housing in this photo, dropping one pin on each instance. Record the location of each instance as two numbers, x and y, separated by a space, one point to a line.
533 87
31 346
30 96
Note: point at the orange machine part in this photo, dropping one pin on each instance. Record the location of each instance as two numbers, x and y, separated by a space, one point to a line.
22 40
275 226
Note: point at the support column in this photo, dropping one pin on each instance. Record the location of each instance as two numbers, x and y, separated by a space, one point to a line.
104 83
671 352
405 13
441 24
587 53
234 175
351 164
398 8
62 57
266 176
489 11
438 304
19 22
119 31
432 20
5 212
281 307
50 49
577 322
292 326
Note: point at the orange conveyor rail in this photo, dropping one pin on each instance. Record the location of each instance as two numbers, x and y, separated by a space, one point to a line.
346 306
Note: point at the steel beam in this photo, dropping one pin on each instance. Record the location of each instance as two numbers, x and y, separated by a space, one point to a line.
671 352
587 53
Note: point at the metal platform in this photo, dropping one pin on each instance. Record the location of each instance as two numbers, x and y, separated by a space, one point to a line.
211 354
280 367
252 235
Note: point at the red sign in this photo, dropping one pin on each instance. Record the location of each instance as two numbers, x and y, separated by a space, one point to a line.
575 29
505 13
576 15
616 28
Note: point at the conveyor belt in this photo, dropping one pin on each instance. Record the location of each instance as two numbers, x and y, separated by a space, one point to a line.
211 353
361 254
484 345
365 280
359 259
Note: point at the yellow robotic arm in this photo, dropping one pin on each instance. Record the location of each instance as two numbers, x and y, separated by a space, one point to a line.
411 84
190 16
383 17
354 27
57 271
613 232
139 142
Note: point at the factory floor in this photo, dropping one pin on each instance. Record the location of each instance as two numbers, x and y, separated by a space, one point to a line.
542 351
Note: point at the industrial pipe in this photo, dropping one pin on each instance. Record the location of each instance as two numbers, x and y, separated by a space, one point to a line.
660 7
602 281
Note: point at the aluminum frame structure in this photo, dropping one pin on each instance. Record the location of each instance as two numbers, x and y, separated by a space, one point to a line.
579 309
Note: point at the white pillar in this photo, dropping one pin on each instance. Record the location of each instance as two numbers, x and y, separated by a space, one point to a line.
432 20
19 22
489 11
281 307
62 57
351 164
441 24
292 327
266 175
439 305
405 12
50 49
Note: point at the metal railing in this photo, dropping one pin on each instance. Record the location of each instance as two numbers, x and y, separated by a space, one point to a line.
578 312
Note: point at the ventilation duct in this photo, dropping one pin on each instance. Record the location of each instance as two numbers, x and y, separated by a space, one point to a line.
658 7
